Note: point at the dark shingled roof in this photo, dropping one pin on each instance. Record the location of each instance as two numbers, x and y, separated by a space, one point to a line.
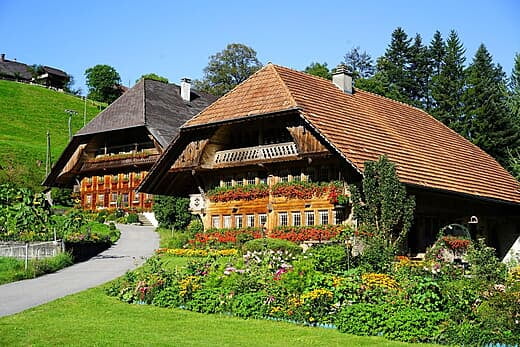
15 69
155 105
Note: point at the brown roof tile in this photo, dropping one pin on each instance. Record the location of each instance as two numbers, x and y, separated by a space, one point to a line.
363 126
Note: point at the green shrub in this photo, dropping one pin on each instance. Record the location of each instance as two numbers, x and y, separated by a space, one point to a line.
172 212
329 258
207 301
260 245
485 264
132 218
377 256
62 197
168 297
397 323
249 305
195 226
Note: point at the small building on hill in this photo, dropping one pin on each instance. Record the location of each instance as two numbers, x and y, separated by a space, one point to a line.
108 158
44 75
243 159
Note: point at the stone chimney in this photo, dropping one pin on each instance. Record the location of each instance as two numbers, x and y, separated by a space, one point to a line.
2 57
342 78
185 89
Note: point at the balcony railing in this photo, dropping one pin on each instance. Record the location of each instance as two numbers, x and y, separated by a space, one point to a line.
120 161
263 152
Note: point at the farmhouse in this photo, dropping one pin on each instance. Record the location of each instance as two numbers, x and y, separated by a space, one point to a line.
107 159
45 75
281 148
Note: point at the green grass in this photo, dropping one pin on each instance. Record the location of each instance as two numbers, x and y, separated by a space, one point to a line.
91 318
27 112
12 269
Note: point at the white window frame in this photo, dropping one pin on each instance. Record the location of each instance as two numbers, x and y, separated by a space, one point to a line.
323 217
215 221
250 220
283 219
308 215
296 216
226 221
239 221
262 219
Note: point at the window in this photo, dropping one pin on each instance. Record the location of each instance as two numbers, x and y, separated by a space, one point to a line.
101 199
262 179
101 180
215 222
88 200
284 176
338 216
296 219
227 182
238 221
282 219
251 179
250 220
324 173
309 217
324 217
227 221
136 197
113 199
125 199
262 219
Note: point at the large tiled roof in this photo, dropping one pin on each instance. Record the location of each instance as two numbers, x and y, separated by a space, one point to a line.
156 105
362 126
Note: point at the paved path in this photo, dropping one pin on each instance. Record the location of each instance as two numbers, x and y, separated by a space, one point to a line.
135 245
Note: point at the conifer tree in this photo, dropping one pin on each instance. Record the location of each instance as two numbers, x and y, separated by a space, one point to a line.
359 63
514 100
488 123
394 65
448 86
436 53
419 71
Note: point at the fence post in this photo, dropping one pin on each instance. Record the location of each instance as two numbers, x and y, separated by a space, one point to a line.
26 255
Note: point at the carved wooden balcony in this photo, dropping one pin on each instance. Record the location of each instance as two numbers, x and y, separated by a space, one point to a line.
257 153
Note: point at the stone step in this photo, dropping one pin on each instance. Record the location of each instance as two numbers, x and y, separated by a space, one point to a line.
144 221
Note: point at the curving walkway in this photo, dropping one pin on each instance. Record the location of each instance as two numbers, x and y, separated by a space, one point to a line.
135 245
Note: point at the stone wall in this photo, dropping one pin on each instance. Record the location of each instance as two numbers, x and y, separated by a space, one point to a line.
34 250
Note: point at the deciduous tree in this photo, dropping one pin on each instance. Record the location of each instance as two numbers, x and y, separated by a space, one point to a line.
153 76
359 63
318 69
103 83
228 68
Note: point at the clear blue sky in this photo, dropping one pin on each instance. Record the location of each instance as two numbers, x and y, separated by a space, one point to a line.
175 38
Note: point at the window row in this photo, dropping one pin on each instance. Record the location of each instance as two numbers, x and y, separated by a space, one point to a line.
294 218
238 221
114 198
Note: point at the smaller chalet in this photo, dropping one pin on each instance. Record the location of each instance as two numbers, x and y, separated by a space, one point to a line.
108 158
45 75
282 126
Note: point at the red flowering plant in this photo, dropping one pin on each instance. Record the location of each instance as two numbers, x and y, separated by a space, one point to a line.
306 233
309 190
224 237
247 192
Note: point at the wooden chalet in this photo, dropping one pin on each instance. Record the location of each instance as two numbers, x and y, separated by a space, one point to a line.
108 158
46 75
282 125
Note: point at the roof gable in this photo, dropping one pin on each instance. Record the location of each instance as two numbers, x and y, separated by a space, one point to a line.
362 126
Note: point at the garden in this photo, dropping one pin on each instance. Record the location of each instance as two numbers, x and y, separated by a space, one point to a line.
27 217
459 294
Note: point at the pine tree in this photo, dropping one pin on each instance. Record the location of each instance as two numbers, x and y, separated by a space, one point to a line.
359 63
419 71
448 86
395 64
488 123
436 53
514 87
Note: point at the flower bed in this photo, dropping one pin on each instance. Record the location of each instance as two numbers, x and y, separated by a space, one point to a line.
306 233
225 236
191 252
309 190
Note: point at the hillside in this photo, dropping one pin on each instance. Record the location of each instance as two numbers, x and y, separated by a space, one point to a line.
26 113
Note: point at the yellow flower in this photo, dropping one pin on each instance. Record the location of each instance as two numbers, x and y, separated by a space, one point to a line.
375 280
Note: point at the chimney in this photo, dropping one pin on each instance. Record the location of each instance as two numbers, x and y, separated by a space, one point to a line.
185 89
2 57
342 78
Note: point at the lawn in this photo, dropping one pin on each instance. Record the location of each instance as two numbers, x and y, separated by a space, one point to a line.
12 269
27 112
92 318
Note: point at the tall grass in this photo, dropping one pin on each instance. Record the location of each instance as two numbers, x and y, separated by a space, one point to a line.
12 269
